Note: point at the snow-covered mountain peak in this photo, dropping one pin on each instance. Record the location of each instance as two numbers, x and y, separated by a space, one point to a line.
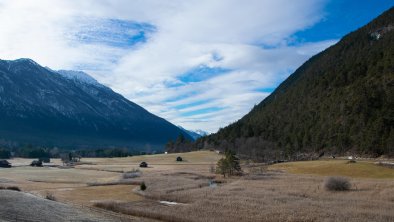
78 76
194 134
32 62
201 132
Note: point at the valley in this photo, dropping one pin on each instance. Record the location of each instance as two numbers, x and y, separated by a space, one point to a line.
190 191
197 111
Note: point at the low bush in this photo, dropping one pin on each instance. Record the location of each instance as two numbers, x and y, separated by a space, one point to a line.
143 186
337 184
15 188
110 205
36 163
144 164
131 174
50 196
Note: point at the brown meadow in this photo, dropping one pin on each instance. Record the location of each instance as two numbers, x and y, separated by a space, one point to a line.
281 192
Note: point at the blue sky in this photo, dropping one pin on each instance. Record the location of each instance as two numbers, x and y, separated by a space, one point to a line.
113 32
200 64
342 17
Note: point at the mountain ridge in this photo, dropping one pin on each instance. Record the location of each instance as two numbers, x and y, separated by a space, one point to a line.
44 107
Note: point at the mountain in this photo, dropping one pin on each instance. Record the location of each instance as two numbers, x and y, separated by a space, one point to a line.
79 77
43 107
339 101
194 134
201 132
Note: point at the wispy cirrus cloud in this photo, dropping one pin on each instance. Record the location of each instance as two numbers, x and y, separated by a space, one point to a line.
199 64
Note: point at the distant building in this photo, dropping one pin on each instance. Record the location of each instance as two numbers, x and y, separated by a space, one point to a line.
36 163
5 164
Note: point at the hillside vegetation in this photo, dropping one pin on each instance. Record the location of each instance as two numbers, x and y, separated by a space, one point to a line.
341 100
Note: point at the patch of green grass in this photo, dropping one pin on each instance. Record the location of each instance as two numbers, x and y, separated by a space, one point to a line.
360 169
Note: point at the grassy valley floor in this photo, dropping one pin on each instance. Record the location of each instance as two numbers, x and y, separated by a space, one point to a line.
281 192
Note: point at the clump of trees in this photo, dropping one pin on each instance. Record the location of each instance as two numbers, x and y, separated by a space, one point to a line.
114 152
229 164
29 151
36 163
71 157
44 159
45 153
5 154
181 144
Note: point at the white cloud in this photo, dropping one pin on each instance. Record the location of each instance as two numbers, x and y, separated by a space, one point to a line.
250 37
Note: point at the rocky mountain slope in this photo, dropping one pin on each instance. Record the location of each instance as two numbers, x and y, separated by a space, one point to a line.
43 107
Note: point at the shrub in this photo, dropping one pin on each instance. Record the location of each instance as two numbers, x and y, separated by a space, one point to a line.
337 184
36 163
131 174
13 188
50 196
144 164
143 186
110 205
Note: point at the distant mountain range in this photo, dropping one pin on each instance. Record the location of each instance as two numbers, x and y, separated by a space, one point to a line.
194 134
340 101
70 109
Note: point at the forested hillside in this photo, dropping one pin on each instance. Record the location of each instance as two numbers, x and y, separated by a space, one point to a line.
341 100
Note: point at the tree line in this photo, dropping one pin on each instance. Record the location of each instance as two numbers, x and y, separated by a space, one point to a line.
30 151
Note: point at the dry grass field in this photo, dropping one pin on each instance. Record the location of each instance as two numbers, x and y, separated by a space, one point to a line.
20 206
330 167
281 192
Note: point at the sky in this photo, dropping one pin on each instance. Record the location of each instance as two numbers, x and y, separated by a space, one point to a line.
200 64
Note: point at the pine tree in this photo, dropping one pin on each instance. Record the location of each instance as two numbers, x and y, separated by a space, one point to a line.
229 164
